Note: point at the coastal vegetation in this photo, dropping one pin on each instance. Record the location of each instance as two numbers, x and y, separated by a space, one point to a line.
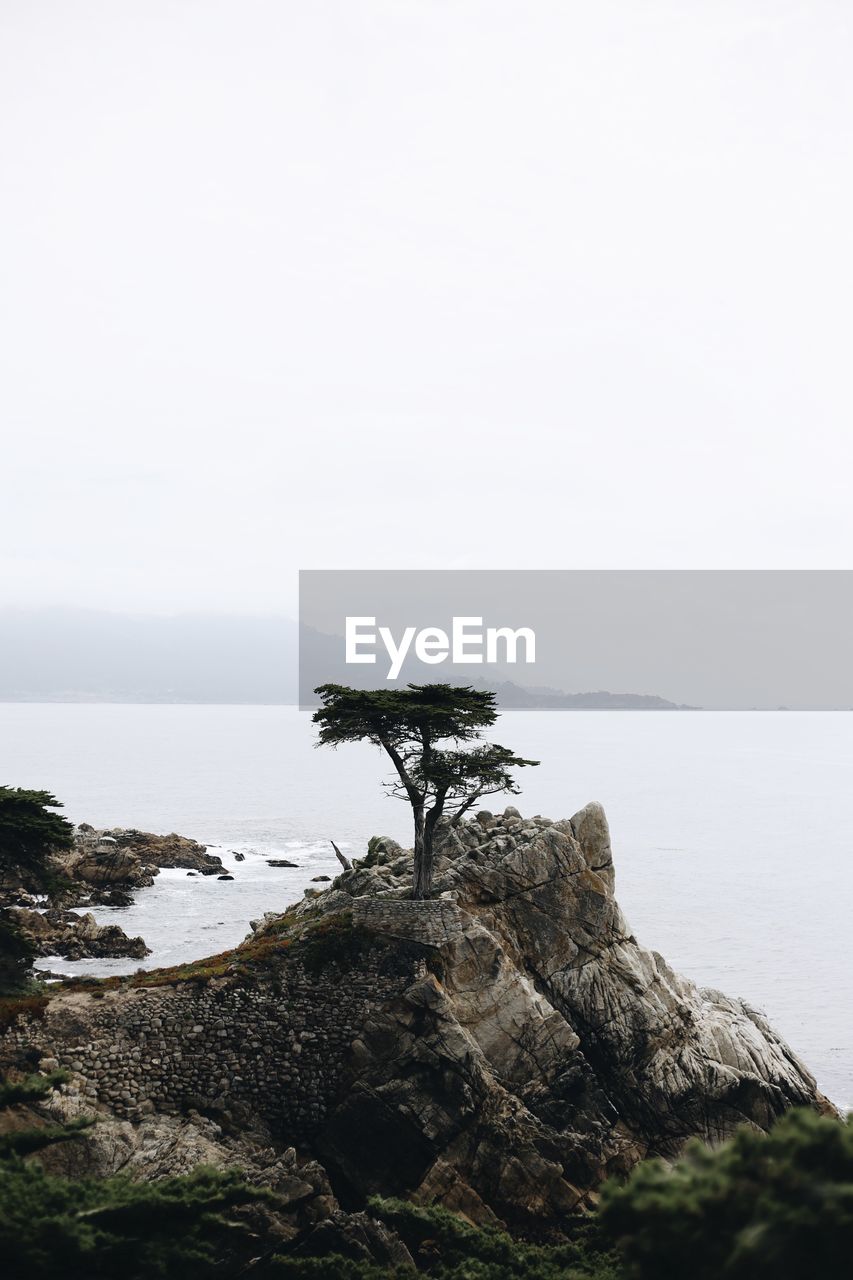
49 870
371 1087
30 832
410 725
760 1207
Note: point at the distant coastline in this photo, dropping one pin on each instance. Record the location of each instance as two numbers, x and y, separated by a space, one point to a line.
510 696
80 656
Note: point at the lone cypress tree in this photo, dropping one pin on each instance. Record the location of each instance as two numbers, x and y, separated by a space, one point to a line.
410 725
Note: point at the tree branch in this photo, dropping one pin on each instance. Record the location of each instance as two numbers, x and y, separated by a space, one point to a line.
415 796
345 862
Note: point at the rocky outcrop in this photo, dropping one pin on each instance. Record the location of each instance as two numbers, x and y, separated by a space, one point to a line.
500 1050
74 937
106 867
103 868
131 859
675 1059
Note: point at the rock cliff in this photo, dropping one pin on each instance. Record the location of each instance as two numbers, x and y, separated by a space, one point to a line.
499 1050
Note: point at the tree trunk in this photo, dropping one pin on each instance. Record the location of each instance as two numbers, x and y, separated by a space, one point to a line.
424 863
423 872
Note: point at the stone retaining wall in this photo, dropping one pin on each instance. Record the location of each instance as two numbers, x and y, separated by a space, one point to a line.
280 1046
434 922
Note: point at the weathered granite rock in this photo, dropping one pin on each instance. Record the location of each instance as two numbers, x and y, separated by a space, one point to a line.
675 1060
120 897
64 933
125 855
107 867
500 1050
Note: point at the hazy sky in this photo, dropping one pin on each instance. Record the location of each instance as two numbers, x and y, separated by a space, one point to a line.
441 284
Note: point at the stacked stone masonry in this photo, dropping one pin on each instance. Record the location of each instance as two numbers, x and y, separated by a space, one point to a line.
279 1047
433 923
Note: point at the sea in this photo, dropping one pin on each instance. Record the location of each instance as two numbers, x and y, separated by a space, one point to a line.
732 831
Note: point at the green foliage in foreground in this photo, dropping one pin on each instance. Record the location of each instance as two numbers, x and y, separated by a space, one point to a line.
761 1207
775 1206
57 1229
54 1228
31 1088
28 1139
449 1249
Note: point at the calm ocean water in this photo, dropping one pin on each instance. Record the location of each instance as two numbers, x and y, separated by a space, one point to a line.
732 831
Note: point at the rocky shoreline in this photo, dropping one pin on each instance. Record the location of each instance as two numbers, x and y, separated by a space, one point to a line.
105 867
499 1051
74 937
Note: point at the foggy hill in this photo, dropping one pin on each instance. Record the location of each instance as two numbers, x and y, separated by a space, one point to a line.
79 655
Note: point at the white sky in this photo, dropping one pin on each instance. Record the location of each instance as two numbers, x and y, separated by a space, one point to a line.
295 283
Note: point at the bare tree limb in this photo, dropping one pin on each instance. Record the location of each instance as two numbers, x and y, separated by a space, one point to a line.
345 862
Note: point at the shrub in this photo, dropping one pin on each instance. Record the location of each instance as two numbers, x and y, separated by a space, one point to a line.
448 1248
775 1206
58 1229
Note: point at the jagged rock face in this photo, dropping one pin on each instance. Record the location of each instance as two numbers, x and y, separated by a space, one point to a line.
108 866
504 1072
676 1060
613 1054
449 1094
132 859
63 933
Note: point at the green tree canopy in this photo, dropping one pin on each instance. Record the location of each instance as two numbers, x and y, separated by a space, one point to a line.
29 833
775 1206
423 729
